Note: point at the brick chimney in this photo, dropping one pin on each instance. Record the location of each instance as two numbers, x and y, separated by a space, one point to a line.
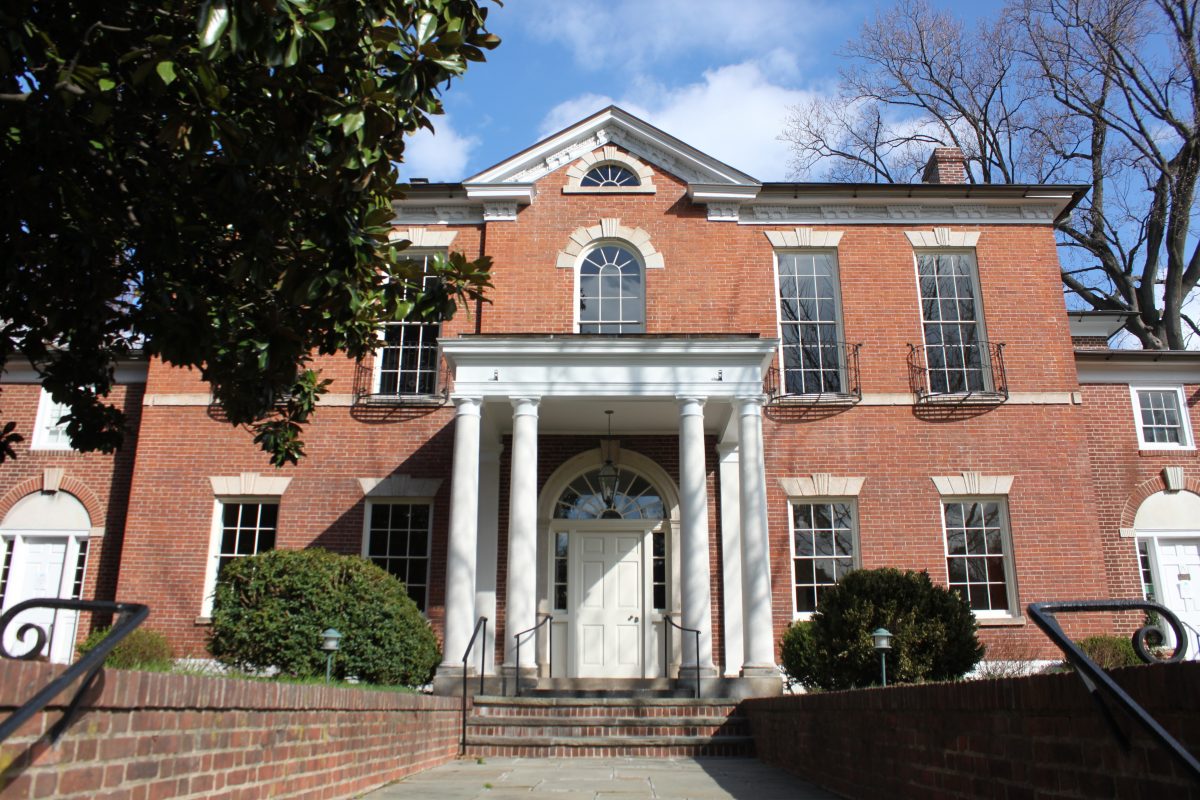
946 165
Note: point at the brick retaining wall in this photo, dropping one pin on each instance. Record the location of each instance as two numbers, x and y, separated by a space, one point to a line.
150 736
1022 738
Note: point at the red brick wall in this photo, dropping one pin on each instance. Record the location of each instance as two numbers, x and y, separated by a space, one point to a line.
100 482
150 735
1019 738
1125 475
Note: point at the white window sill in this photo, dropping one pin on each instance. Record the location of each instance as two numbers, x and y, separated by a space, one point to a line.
999 622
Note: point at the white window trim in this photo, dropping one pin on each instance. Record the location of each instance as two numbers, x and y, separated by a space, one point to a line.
214 538
381 334
843 375
808 500
42 426
1013 612
609 155
1185 421
371 502
976 287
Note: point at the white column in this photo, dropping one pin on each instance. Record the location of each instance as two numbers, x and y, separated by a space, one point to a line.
464 522
521 600
695 579
486 560
756 556
731 556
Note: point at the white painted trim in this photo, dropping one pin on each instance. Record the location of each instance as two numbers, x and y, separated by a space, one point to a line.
844 209
1140 370
609 155
1189 442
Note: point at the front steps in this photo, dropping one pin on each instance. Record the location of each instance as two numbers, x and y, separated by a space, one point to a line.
543 726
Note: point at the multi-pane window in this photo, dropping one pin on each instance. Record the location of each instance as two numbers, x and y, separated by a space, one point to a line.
977 556
407 361
612 295
658 570
606 175
398 540
80 571
561 564
808 323
49 433
1161 419
1143 548
822 549
955 351
246 529
633 497
7 546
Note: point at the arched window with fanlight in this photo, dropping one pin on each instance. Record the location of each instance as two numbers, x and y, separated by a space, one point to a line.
609 176
612 296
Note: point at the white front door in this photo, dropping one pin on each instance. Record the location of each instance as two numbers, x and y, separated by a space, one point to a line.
1179 572
41 566
608 596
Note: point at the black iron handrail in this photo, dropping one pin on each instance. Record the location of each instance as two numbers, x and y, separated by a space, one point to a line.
481 624
1097 680
667 648
991 368
129 616
775 387
549 647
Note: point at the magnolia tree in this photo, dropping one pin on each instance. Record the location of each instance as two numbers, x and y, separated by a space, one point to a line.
1104 93
211 183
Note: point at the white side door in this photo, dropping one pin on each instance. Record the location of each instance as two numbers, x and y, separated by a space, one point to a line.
1179 573
608 604
39 568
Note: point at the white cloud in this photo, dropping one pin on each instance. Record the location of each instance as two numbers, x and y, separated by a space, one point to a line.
735 113
439 156
633 33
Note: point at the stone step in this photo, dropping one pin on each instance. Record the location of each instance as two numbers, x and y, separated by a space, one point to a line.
601 706
533 720
620 733
608 746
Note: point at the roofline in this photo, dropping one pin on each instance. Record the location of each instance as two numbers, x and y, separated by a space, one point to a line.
1138 356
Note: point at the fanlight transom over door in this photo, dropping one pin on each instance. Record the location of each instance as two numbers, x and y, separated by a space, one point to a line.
609 576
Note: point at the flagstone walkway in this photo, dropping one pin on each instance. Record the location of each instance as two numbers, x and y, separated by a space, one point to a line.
602 779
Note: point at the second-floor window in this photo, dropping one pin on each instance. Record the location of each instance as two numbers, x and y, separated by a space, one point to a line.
955 349
1161 416
49 431
612 293
808 323
407 361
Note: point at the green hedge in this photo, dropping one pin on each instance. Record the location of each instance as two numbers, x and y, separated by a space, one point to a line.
270 610
1110 651
933 633
142 649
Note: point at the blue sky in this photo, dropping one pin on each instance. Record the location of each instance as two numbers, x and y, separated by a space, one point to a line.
719 74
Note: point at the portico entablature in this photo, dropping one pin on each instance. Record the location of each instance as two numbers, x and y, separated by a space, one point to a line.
581 366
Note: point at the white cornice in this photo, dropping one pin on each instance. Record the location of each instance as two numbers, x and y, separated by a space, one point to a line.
848 210
418 212
522 193
1136 369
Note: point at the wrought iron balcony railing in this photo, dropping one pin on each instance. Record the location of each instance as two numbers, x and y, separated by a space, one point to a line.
958 373
828 373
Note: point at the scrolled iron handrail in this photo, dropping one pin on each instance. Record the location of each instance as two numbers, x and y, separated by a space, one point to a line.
1097 680
128 617
549 646
671 623
480 624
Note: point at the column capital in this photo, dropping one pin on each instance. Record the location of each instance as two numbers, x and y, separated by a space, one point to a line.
525 405
750 403
466 405
690 405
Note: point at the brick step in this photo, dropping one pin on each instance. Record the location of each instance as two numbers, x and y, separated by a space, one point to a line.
641 707
608 746
605 722
560 729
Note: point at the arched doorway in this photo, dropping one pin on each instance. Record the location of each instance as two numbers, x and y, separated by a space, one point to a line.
43 553
1167 526
608 573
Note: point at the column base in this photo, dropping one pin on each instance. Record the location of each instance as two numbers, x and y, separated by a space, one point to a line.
448 680
759 671
688 671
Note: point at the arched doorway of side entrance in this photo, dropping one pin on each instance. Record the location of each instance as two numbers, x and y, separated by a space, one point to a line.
608 566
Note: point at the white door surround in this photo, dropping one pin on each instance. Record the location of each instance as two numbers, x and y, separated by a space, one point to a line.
42 564
1168 524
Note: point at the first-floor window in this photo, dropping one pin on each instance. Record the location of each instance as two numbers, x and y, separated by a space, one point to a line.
823 549
242 529
398 536
977 554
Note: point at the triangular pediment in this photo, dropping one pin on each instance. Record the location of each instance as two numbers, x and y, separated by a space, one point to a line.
612 126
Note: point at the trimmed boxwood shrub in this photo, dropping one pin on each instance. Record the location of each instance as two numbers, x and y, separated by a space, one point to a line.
270 610
933 633
1110 651
143 649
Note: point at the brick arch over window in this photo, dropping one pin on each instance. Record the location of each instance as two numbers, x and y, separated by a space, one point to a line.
609 155
61 483
609 229
1146 489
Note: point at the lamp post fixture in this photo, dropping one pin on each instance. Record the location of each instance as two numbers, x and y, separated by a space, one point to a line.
329 643
883 643
608 473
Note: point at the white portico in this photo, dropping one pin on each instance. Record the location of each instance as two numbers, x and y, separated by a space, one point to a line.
609 564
